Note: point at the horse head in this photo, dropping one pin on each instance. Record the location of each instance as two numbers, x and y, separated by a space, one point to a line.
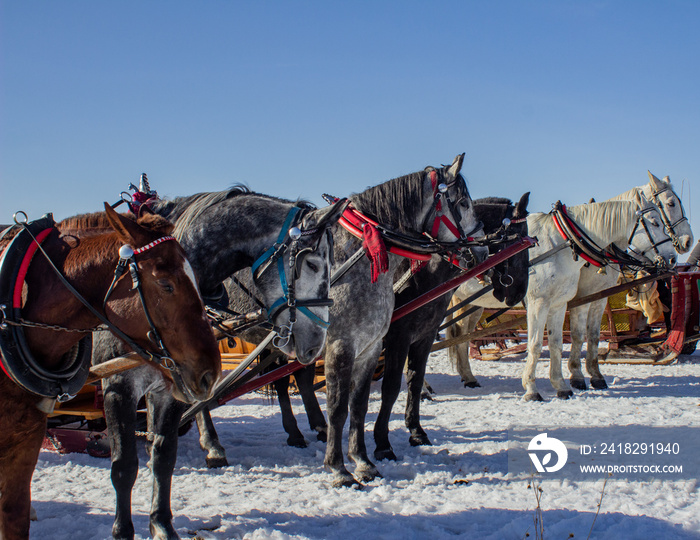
296 289
661 193
166 316
650 238
510 278
448 213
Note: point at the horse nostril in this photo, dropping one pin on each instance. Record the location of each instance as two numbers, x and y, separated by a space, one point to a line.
207 381
312 353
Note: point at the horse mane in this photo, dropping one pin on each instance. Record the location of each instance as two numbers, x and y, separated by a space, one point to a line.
493 200
607 219
184 211
391 203
97 222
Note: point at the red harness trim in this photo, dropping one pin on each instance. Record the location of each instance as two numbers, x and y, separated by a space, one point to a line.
575 228
353 221
24 267
153 244
439 216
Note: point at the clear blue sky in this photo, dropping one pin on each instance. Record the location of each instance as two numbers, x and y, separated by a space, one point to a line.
566 99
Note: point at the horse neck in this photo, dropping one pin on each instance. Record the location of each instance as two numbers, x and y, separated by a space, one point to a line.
230 235
491 214
88 265
399 204
610 222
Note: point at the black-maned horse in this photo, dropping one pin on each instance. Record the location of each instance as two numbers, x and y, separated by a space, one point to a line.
413 335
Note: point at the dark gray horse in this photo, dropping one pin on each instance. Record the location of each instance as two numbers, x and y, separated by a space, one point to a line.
361 313
221 233
413 335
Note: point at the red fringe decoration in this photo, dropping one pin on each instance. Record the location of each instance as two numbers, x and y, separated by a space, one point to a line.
375 250
676 336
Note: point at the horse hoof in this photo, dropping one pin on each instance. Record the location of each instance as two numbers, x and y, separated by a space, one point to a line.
419 440
533 397
426 396
381 455
579 384
322 436
297 442
216 462
367 475
347 482
472 384
599 384
564 394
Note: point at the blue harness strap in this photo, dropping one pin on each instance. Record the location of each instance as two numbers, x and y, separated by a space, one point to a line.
269 253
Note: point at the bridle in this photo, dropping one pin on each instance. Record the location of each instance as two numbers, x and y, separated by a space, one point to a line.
669 226
654 245
289 239
503 230
126 259
437 213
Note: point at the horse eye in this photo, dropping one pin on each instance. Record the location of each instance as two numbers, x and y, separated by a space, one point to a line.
166 285
671 204
312 266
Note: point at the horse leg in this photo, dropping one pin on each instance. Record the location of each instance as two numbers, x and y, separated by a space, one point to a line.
209 441
164 414
305 383
555 339
577 324
22 430
415 375
394 358
595 314
459 354
289 423
338 362
536 317
363 371
120 414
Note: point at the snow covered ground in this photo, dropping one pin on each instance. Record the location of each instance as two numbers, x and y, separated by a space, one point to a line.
458 488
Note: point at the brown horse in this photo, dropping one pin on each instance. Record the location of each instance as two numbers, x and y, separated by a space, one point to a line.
170 307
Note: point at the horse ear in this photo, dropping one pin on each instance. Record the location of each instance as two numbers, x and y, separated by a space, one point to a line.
456 165
328 216
128 230
145 210
521 207
666 180
655 182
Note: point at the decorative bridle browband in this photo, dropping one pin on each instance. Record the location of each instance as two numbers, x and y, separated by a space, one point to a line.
288 240
670 227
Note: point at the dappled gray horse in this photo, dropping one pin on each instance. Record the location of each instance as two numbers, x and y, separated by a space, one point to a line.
221 233
362 309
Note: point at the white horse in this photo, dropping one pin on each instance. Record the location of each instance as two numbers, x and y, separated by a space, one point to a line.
554 279
585 319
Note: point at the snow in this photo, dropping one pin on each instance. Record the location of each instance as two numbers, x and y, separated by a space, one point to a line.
457 488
